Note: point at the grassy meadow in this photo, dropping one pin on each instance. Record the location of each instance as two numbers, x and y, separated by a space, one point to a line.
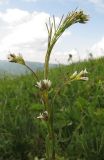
78 115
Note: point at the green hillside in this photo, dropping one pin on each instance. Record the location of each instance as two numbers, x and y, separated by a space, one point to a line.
17 69
78 115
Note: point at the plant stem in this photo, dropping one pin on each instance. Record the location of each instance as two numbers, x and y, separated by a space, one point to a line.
50 140
46 66
47 57
32 72
53 137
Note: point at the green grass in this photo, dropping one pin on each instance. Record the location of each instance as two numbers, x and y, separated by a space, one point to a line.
78 109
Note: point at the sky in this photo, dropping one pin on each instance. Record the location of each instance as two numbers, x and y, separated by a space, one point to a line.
23 29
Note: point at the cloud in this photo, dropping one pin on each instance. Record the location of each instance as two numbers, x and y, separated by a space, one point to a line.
98 49
99 3
24 32
59 57
96 3
62 57
30 0
3 1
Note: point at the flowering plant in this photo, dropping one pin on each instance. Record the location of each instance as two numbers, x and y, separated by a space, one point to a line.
45 85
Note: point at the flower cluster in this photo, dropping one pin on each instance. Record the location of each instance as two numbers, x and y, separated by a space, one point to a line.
79 76
16 59
76 17
43 116
44 84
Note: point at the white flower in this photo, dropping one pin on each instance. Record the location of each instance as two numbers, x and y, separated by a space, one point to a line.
84 78
81 73
85 71
74 75
11 57
43 116
40 116
80 76
43 84
47 82
39 84
16 59
45 112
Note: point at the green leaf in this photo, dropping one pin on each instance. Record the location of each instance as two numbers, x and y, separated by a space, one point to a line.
37 107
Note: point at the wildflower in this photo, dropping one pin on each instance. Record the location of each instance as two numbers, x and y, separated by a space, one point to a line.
83 18
85 71
40 116
72 18
73 75
43 116
82 75
43 84
79 76
84 78
16 59
11 58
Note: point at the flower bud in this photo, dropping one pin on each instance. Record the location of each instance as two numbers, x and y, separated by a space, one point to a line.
79 76
16 59
73 75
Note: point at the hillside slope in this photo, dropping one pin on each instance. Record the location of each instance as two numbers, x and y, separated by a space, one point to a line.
17 69
78 115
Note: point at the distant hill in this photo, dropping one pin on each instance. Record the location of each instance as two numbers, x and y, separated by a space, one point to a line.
13 68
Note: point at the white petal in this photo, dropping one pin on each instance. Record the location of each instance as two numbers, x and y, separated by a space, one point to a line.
9 57
40 116
81 73
84 78
45 81
74 74
85 71
46 112
39 84
49 83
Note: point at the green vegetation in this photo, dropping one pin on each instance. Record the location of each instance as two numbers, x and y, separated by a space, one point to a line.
79 129
46 92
